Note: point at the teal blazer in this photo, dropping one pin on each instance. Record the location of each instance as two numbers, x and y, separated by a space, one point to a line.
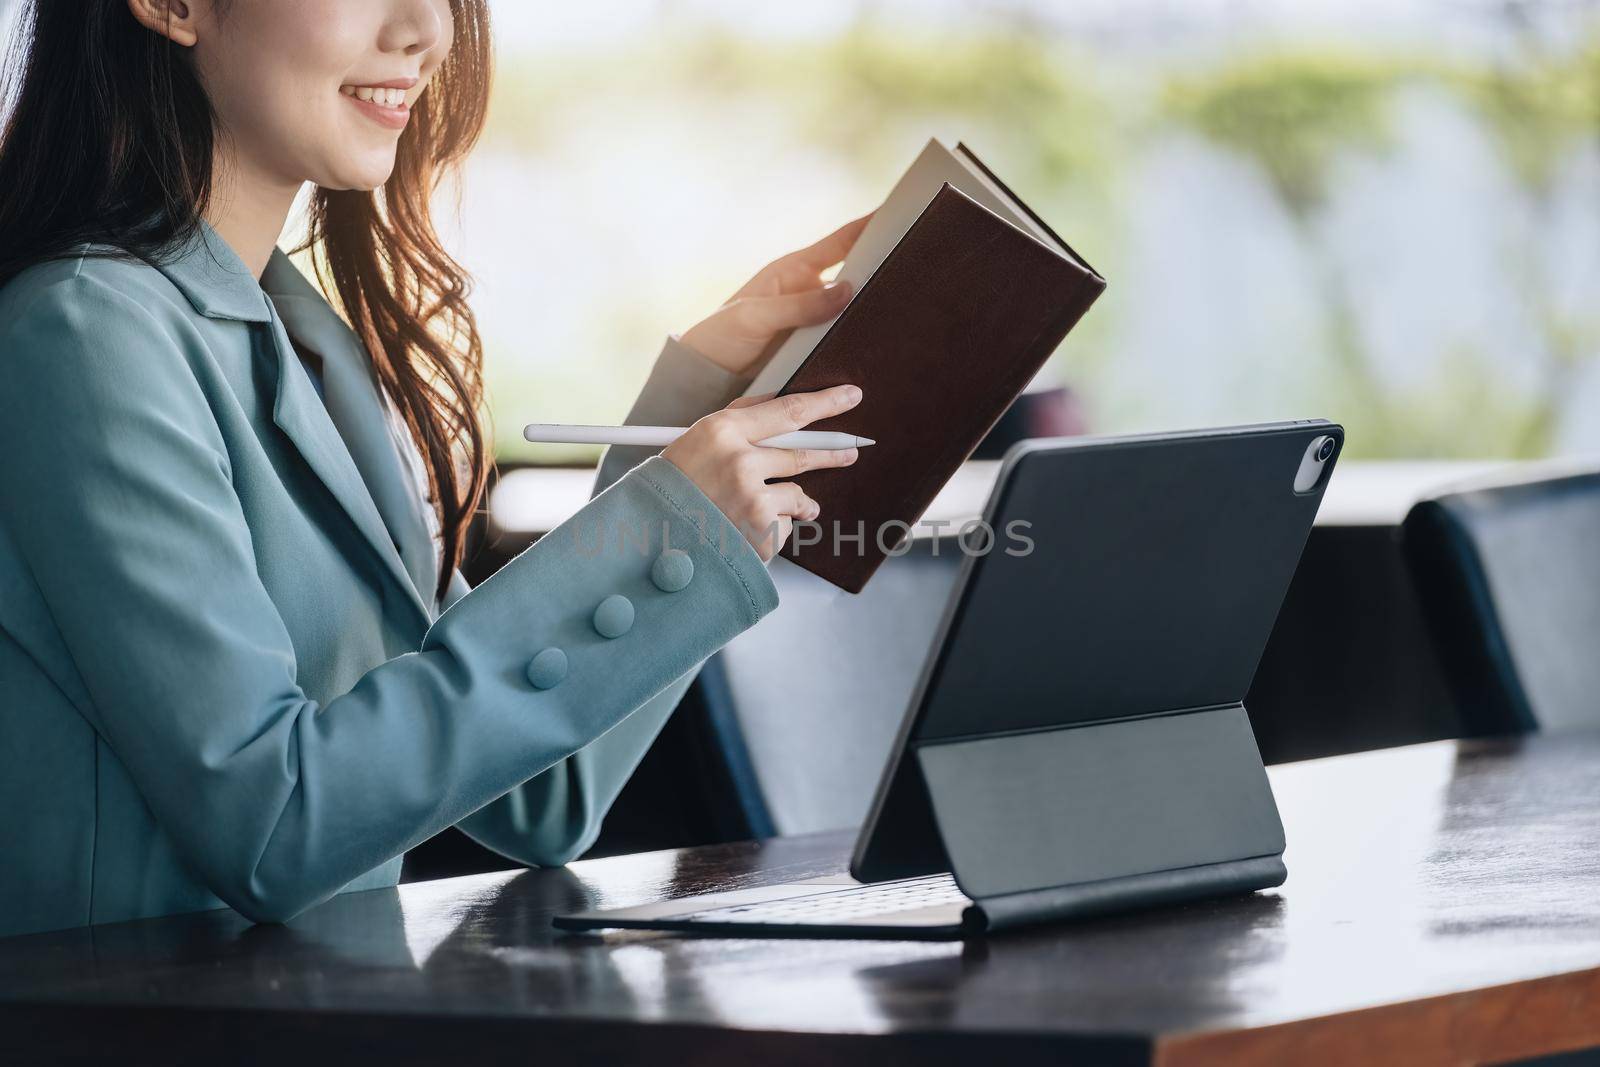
224 679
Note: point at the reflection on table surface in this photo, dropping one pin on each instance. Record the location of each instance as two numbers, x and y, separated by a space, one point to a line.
1415 873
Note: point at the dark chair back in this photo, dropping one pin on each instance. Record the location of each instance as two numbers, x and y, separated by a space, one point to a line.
787 729
818 690
1509 582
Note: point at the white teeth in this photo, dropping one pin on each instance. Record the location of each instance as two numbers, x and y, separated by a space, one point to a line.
381 97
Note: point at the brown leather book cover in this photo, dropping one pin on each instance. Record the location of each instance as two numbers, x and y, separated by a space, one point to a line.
943 337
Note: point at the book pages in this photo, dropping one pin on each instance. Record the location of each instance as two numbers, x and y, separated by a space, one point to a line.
935 166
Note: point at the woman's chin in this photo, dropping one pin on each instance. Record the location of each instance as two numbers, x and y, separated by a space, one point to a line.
361 175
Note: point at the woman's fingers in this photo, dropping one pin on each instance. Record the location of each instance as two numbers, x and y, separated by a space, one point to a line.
763 316
769 545
794 411
788 462
784 504
719 455
832 248
788 499
798 270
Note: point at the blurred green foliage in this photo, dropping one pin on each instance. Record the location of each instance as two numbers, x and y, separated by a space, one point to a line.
1297 115
1065 128
1293 114
1539 109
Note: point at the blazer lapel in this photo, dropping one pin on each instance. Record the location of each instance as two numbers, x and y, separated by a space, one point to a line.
219 286
356 406
300 414
352 400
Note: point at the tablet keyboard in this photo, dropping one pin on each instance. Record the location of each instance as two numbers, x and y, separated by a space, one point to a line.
843 904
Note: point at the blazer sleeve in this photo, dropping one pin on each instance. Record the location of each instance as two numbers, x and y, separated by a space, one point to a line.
569 801
116 492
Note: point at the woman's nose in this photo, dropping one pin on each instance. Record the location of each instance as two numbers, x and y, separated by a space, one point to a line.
415 26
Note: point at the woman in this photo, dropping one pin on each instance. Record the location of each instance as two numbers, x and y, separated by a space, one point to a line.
237 660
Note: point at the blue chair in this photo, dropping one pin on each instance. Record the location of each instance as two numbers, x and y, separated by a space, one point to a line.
812 697
786 730
1509 583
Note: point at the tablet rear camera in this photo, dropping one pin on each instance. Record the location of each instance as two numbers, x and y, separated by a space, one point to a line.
1314 463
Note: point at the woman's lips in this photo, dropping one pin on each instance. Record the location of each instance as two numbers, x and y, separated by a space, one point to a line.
384 104
395 118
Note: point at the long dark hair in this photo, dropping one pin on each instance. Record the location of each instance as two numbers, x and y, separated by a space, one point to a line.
110 140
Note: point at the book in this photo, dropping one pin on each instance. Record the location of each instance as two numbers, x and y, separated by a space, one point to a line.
961 294
934 166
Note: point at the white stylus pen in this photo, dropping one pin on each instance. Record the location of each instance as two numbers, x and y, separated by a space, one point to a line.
557 433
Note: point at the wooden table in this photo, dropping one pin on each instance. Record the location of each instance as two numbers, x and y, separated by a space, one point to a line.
1443 906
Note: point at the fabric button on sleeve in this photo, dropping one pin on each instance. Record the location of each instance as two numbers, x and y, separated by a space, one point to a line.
614 616
547 669
673 570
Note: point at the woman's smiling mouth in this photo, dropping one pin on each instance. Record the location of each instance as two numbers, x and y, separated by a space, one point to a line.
384 103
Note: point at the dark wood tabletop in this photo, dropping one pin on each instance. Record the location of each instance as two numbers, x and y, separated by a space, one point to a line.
1443 906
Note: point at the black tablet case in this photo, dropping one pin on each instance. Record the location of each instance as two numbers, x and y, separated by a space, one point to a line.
1079 742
